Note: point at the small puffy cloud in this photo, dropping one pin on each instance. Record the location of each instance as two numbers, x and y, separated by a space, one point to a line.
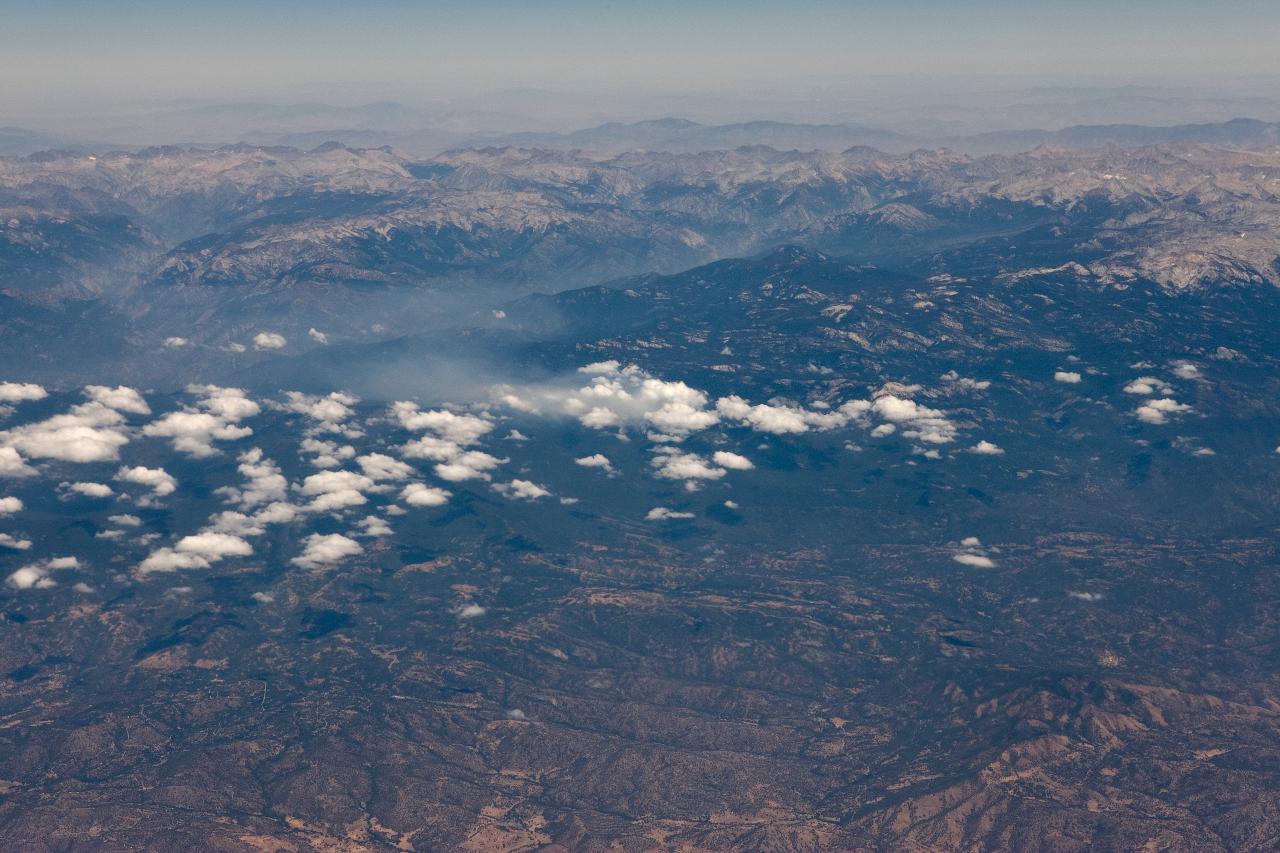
416 494
9 541
121 398
1070 377
126 520
18 392
26 577
470 611
334 490
461 429
328 454
277 513
470 465
778 420
268 340
971 553
986 448
975 560
731 504
679 418
198 551
964 383
12 464
1186 370
379 466
264 483
326 550
263 597
616 396
882 430
193 433
160 482
524 490
329 410
234 347
230 404
214 546
87 490
671 464
8 506
317 336
1147 385
1085 596
169 560
373 526
732 461
595 460
176 342
455 463
661 513
1157 411
915 421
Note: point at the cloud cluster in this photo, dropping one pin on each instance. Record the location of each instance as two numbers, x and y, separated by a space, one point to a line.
37 575
329 412
619 397
327 454
335 490
1157 411
198 551
670 463
451 434
215 417
91 432
1148 385
20 392
461 429
264 482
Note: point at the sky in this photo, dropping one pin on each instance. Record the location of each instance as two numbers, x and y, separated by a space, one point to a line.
148 48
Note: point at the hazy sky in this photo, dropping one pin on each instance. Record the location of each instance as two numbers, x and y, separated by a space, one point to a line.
148 48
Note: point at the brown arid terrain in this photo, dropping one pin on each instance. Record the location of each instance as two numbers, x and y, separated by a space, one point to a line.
637 696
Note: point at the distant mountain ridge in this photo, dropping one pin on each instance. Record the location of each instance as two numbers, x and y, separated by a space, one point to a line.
421 134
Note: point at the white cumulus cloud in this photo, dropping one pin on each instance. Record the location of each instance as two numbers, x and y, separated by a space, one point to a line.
326 550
